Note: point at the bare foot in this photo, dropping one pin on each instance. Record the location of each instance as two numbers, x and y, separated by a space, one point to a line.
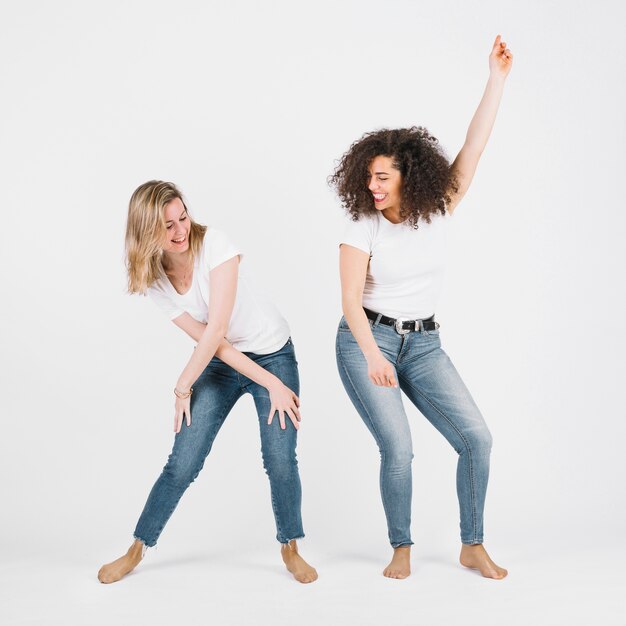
112 572
400 566
476 557
300 569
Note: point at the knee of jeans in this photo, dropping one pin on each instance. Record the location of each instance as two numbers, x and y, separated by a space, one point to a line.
479 440
181 473
397 457
279 463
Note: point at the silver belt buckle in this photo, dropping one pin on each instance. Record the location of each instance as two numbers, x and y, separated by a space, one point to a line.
398 326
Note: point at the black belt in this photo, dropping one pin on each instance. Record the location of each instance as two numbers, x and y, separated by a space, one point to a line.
402 326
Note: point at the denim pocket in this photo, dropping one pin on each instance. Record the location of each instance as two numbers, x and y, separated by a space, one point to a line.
343 326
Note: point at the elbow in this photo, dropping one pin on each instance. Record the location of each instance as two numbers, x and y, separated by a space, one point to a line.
350 302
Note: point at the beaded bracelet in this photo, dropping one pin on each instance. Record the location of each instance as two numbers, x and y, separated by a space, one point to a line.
181 394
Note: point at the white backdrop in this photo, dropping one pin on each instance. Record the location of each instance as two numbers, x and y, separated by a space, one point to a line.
246 106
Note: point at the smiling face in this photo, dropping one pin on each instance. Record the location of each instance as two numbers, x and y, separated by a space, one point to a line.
177 225
385 183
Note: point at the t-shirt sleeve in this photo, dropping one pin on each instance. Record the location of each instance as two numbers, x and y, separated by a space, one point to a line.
159 296
219 248
358 234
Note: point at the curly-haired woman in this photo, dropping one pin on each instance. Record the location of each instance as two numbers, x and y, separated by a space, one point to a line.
399 190
243 346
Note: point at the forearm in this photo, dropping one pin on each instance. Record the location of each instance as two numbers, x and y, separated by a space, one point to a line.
359 325
231 356
244 365
485 116
207 346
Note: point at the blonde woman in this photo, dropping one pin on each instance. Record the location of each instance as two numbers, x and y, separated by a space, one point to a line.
243 346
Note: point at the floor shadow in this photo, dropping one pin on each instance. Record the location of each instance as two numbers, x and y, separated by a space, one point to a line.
436 559
211 559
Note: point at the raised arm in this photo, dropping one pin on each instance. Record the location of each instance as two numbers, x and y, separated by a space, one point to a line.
464 166
353 268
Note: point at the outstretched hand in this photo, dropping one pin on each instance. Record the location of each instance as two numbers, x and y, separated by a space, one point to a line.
500 59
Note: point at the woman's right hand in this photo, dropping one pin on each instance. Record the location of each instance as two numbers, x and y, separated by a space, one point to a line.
283 400
380 371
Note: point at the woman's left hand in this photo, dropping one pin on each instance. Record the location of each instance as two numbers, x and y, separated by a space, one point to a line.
182 410
500 59
283 401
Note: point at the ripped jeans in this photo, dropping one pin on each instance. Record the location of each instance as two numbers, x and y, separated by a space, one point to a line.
426 375
214 394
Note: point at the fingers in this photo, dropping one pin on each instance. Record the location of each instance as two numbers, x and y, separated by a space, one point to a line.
182 412
295 410
384 378
281 416
499 47
295 419
290 406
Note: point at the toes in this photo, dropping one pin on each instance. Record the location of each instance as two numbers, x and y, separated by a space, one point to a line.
105 579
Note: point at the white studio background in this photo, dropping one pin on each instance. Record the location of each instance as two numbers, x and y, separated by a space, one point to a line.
246 106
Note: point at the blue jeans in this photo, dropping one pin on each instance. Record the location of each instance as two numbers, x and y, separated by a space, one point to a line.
426 375
214 395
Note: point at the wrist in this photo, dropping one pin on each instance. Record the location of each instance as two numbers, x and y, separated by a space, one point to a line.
272 382
183 386
497 78
372 353
183 394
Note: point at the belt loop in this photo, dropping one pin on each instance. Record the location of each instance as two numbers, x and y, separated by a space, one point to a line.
378 319
421 326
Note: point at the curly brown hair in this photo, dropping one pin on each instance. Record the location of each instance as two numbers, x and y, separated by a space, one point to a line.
427 181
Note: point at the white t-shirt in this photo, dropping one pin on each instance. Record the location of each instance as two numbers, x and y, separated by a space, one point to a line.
255 324
406 267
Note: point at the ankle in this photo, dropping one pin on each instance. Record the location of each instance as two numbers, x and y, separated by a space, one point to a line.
290 546
402 549
137 550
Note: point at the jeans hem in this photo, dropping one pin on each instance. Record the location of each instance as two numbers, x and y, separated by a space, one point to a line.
401 543
296 538
471 542
146 544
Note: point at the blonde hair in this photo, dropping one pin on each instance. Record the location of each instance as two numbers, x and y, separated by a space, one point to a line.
146 231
